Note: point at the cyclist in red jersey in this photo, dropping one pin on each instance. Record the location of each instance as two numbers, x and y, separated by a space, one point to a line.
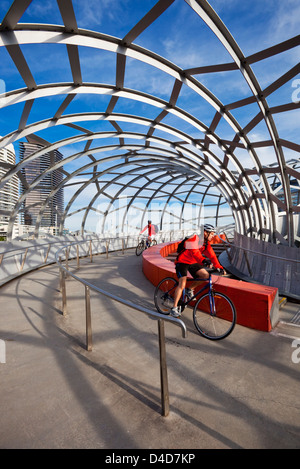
193 260
151 230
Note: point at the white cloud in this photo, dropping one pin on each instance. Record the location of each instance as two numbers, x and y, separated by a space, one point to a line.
93 13
285 21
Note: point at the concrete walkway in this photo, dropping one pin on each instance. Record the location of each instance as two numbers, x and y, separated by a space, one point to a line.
242 392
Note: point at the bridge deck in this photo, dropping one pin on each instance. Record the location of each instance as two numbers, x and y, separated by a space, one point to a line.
238 393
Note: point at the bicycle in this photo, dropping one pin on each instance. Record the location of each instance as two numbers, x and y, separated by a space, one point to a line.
144 244
214 314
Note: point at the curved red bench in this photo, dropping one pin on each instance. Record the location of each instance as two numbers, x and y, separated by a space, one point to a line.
256 305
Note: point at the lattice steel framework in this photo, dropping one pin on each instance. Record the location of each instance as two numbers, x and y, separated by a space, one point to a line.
163 151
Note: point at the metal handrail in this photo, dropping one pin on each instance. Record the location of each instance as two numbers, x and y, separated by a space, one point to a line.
160 318
17 259
289 259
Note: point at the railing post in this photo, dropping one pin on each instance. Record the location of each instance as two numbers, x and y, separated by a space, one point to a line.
165 408
163 369
91 251
63 290
24 259
88 318
77 252
46 257
67 259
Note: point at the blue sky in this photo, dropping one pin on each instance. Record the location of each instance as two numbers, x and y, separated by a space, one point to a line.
180 36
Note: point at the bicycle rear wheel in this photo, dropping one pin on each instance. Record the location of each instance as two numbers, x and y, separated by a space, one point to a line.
164 295
218 324
140 248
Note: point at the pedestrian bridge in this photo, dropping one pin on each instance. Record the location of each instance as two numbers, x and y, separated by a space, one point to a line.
57 394
255 262
111 119
257 306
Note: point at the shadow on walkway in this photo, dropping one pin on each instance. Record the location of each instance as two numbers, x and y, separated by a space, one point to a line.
238 393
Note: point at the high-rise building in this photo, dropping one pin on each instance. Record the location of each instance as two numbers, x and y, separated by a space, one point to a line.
9 194
37 197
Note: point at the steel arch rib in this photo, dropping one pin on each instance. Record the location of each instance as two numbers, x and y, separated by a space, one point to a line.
97 162
84 185
144 55
92 136
136 178
205 11
71 157
169 166
18 34
208 96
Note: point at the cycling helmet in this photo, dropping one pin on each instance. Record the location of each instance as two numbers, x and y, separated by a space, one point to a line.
209 228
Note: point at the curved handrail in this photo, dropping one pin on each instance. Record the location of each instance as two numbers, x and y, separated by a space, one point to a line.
160 319
270 264
154 314
18 257
289 259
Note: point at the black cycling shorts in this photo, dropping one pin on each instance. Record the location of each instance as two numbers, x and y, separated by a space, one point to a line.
183 269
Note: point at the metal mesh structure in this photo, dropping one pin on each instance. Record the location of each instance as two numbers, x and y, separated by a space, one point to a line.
158 113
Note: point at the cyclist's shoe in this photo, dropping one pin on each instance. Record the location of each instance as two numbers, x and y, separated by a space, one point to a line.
189 294
175 312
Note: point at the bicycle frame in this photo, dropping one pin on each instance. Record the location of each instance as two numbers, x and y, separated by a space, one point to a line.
145 243
208 287
214 314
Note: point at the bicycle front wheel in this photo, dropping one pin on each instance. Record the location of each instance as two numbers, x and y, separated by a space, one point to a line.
214 316
140 248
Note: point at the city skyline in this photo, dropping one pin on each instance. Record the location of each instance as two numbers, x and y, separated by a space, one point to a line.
43 205
9 194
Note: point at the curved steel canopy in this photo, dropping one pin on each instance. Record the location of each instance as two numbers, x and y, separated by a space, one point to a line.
163 153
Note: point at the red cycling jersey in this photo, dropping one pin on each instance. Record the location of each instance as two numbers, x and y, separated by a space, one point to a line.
151 230
192 256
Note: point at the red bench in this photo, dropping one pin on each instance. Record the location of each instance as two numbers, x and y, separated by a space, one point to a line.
256 305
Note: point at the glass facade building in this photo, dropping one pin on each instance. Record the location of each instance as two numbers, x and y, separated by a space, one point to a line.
9 194
43 204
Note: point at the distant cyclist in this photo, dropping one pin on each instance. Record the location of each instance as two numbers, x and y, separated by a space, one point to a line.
151 231
191 259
